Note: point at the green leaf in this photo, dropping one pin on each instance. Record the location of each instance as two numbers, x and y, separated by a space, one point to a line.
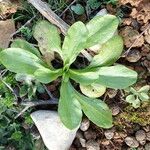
84 77
101 29
78 9
40 87
96 110
136 103
45 75
31 91
48 38
133 91
74 42
93 90
24 78
144 96
130 98
20 61
19 43
118 77
23 90
69 108
109 53
93 4
144 89
17 135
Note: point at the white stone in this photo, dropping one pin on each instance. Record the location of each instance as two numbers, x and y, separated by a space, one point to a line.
54 134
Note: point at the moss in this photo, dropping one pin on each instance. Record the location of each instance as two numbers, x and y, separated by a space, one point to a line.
130 115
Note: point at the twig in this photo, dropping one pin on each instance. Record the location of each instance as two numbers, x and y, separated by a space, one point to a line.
67 7
3 72
38 102
28 22
127 52
22 111
10 88
45 10
29 104
49 93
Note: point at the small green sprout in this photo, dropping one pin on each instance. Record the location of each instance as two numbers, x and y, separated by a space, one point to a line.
136 97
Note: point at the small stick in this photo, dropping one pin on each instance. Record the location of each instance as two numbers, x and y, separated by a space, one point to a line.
10 88
22 111
49 93
45 10
28 22
29 104
67 7
38 102
127 52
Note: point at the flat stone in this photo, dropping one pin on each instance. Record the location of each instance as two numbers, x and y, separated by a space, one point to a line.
109 134
147 146
54 134
131 142
92 145
140 135
85 124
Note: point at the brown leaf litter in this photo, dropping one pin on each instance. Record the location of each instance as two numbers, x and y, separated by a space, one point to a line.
6 29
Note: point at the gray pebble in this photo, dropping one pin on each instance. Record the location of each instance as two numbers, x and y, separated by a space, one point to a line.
131 142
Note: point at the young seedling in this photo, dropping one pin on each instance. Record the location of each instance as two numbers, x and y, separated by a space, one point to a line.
23 58
29 86
136 97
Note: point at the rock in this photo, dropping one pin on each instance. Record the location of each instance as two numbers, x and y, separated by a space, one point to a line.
90 135
147 39
147 146
123 134
115 110
146 128
105 142
131 142
109 134
142 142
54 134
83 142
133 55
92 145
140 135
85 124
102 12
111 93
140 148
148 136
80 137
116 136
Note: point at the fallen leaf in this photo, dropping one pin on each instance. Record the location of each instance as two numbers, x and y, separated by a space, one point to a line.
6 29
8 7
130 36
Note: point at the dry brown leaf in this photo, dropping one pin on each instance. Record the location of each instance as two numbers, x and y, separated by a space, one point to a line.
6 29
132 2
145 49
130 35
142 12
126 21
146 29
140 9
8 7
